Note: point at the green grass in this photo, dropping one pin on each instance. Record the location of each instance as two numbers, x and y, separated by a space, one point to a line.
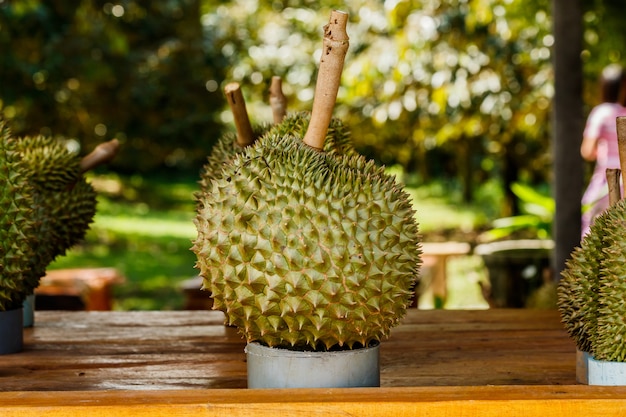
144 228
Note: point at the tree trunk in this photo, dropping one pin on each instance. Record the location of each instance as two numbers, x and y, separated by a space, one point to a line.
567 122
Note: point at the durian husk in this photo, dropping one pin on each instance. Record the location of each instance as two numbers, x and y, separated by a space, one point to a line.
577 299
61 190
222 153
64 203
303 249
338 140
17 224
609 339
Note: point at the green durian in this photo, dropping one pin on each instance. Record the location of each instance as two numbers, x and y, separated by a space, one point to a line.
577 291
300 248
608 341
17 224
65 202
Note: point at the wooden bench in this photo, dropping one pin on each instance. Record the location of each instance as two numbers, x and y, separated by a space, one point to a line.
77 289
435 257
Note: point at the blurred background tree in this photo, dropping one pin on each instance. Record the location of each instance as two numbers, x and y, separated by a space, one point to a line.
94 70
453 89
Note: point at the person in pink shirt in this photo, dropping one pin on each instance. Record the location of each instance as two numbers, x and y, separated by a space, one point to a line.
600 142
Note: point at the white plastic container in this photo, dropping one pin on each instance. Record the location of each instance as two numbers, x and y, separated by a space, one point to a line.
284 368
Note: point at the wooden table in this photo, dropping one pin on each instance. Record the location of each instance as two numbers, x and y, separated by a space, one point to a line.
436 363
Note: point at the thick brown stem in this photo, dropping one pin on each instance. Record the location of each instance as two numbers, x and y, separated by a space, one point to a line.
245 135
612 179
621 141
101 154
278 101
334 51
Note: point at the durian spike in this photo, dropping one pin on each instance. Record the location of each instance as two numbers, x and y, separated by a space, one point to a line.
278 101
101 154
334 51
612 179
245 135
621 141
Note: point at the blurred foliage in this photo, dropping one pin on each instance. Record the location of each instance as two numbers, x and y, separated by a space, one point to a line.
94 70
446 88
534 222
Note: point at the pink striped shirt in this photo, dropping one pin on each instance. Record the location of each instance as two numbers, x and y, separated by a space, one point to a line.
601 126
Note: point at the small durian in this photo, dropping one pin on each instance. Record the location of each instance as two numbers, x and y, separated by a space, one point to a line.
300 248
17 224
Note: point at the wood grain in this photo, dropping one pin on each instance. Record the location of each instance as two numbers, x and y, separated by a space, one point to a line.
193 349
436 363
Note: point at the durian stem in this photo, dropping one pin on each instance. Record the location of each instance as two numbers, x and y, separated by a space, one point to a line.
245 135
621 141
101 154
278 101
612 179
334 51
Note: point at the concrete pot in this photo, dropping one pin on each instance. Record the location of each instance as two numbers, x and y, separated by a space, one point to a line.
284 368
11 331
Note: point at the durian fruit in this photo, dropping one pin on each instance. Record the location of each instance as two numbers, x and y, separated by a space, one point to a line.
46 207
64 203
300 248
17 224
609 338
592 291
577 291
327 256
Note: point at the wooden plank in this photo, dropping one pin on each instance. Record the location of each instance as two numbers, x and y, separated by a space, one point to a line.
487 401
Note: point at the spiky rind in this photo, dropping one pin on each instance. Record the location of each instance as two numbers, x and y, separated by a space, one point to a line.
222 154
64 204
577 290
300 248
49 163
66 200
17 225
338 141
609 339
